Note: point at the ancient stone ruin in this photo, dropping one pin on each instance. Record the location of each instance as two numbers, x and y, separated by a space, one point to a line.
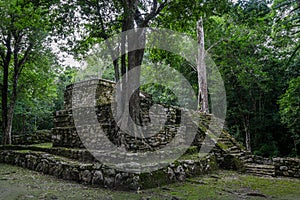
69 159
65 135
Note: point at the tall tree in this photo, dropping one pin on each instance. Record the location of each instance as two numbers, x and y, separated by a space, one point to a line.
23 29
103 19
201 70
36 94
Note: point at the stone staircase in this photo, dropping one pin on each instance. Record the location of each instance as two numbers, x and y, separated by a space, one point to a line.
260 170
251 164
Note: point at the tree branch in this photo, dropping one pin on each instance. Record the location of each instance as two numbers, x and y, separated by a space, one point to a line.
154 7
104 35
213 45
25 57
2 54
9 51
17 42
153 13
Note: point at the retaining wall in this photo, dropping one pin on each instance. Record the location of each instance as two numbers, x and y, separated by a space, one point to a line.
99 174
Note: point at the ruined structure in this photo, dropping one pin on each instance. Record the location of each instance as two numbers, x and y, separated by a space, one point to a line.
68 159
65 135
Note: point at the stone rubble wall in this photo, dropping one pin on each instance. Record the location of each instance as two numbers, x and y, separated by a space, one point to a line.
40 136
98 174
102 89
66 135
258 160
287 167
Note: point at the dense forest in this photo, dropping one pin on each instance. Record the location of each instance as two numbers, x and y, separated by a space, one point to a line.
254 43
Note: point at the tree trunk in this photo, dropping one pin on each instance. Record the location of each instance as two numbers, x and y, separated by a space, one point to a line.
248 140
5 136
123 50
9 122
135 60
114 56
6 63
136 43
201 69
247 132
122 90
6 140
128 84
116 69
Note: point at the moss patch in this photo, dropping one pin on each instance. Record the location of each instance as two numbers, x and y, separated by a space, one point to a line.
42 145
154 179
222 146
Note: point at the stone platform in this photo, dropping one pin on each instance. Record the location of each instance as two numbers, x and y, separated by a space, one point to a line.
78 165
69 159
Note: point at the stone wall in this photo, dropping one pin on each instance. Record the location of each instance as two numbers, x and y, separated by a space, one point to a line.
66 135
287 167
98 174
103 93
40 136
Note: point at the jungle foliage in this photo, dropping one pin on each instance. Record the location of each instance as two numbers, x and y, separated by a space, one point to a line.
254 44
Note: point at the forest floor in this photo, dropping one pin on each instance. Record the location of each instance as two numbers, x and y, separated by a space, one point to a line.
19 183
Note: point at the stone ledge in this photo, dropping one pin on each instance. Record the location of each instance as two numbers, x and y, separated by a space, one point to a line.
98 174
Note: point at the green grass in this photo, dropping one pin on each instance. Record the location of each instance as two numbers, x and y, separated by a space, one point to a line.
42 145
19 183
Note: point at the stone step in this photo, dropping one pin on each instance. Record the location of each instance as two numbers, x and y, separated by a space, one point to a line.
257 166
229 145
247 160
238 154
258 169
272 174
268 172
224 137
229 140
245 157
234 149
224 140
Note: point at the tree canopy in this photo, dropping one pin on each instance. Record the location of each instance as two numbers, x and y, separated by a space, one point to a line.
254 44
